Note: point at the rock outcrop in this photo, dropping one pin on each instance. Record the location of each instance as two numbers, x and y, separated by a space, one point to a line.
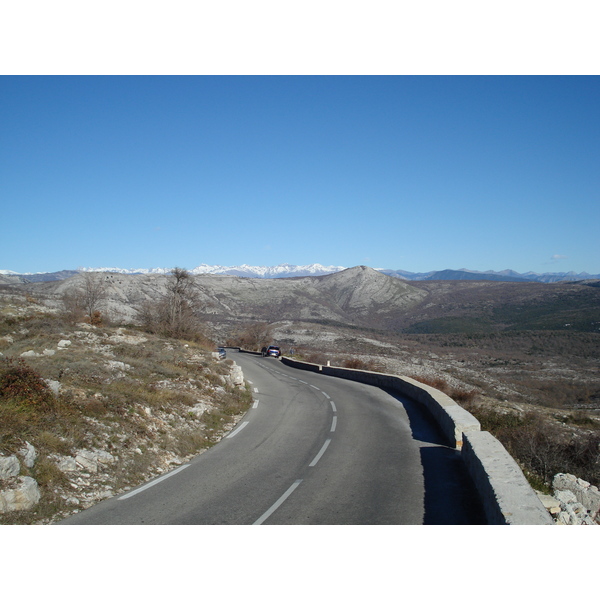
579 500
575 501
23 496
18 492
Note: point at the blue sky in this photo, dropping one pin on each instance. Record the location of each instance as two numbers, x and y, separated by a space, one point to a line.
401 172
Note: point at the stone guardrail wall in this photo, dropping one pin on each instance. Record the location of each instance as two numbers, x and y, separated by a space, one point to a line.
507 497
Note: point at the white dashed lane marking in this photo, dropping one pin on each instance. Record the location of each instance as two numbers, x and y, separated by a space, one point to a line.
279 502
321 452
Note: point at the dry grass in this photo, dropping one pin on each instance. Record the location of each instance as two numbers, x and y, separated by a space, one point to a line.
123 391
538 392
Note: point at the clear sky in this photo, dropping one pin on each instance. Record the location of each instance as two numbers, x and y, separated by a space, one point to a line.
401 172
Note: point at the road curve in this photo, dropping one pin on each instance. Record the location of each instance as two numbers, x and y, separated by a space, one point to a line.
312 450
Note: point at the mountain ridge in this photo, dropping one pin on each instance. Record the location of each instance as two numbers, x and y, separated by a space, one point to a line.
359 297
286 270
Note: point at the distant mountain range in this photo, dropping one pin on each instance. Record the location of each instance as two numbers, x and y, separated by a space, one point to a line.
286 270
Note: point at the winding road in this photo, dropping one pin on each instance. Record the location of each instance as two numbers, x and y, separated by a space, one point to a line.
312 449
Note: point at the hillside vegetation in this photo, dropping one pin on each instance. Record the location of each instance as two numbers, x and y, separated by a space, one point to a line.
524 357
104 407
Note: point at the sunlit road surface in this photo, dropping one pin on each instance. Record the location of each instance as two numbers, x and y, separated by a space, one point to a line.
312 449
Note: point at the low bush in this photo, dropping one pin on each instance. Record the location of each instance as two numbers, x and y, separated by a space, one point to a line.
24 388
542 448
457 393
363 365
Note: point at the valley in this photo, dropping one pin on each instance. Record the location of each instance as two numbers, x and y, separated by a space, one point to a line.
524 357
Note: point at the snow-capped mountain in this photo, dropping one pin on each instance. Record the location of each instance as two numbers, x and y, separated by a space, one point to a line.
287 270
284 270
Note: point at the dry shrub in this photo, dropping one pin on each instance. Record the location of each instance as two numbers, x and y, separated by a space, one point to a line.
542 448
253 336
93 407
187 442
458 394
95 319
24 388
363 365
316 358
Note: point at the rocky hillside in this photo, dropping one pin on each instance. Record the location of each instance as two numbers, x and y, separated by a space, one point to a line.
88 412
528 353
359 297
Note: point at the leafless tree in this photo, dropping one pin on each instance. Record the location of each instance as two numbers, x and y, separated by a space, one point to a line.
176 313
73 311
94 293
254 336
86 299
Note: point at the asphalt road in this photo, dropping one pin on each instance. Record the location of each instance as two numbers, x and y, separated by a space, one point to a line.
312 450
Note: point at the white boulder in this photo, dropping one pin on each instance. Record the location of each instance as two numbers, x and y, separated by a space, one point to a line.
9 466
25 496
29 455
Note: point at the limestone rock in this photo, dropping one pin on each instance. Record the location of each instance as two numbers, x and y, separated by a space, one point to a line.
236 375
91 459
67 464
104 457
29 455
54 386
9 466
584 492
565 496
23 497
551 503
87 460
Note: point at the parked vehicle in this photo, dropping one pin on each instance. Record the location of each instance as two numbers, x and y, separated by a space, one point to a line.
273 351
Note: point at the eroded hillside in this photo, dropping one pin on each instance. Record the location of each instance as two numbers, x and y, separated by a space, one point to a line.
514 348
87 412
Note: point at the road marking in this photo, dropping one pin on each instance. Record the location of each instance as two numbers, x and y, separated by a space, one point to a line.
314 386
255 405
326 395
238 429
148 485
256 390
333 423
332 405
300 380
279 502
321 452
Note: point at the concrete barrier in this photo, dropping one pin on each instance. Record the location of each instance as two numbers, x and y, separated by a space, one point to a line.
507 497
452 418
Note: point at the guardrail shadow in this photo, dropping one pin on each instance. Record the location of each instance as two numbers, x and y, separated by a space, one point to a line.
451 497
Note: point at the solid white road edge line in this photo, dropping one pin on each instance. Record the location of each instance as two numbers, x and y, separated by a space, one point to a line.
321 452
148 485
279 502
238 429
